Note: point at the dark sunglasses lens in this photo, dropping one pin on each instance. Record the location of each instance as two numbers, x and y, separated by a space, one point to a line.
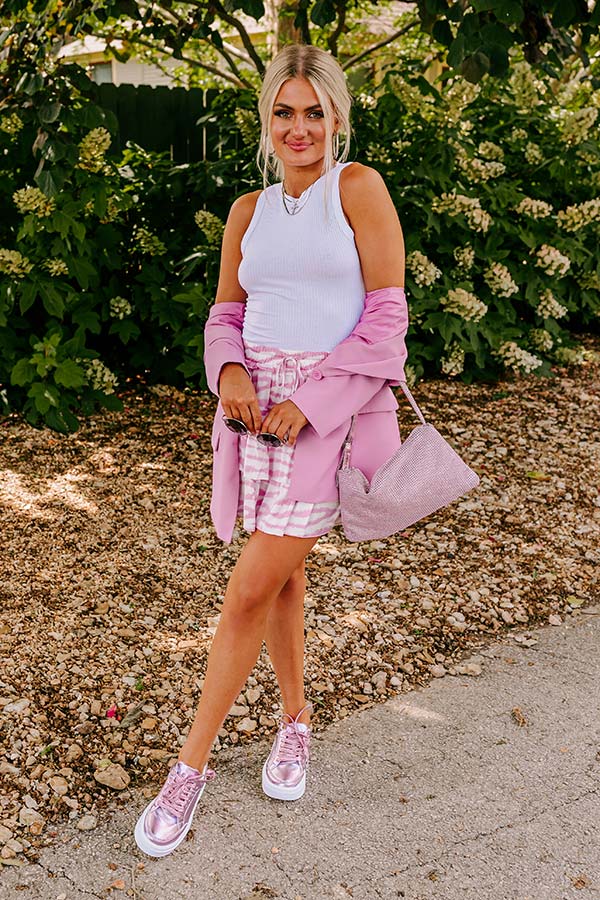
270 439
235 425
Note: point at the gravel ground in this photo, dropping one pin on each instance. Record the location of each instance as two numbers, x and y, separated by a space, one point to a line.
112 581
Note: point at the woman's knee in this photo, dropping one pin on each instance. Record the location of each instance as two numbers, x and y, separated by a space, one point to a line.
248 598
296 581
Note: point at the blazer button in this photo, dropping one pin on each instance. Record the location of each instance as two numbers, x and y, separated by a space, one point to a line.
316 374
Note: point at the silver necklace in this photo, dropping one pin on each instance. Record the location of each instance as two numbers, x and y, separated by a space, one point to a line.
296 206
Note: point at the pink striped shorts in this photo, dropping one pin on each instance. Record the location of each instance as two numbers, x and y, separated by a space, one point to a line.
265 471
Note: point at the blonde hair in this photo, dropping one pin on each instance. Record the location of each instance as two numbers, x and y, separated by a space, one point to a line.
328 80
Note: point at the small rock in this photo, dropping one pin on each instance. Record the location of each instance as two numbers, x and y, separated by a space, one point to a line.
253 695
5 834
87 823
17 706
74 752
554 620
247 725
113 775
238 710
438 671
59 785
30 817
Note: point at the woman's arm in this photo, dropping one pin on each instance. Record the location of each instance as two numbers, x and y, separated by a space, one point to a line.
377 231
241 212
224 358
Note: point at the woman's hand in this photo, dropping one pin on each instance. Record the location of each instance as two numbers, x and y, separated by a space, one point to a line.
285 418
238 396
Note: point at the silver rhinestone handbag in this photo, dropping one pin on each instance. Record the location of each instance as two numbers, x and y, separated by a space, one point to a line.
422 476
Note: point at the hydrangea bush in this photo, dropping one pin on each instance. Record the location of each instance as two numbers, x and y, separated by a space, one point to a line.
496 186
108 266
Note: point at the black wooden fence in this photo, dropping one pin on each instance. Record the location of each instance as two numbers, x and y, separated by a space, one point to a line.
162 119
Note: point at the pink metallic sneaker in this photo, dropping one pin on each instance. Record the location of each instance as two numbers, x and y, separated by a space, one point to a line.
284 771
167 819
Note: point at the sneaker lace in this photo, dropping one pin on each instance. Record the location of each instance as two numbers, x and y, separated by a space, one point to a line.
179 788
293 744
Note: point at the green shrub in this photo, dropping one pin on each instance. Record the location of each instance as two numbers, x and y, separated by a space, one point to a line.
108 266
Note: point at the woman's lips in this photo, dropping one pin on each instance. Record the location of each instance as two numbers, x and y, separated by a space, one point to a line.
297 146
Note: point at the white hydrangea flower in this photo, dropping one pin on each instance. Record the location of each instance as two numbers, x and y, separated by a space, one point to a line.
376 153
589 281
11 124
572 356
489 150
247 121
579 215
423 270
454 361
410 376
576 124
537 209
552 260
99 376
518 359
465 257
533 154
475 169
458 204
459 93
14 263
518 134
120 308
92 150
524 85
367 99
541 339
464 304
549 307
414 101
210 225
148 242
33 200
56 266
499 280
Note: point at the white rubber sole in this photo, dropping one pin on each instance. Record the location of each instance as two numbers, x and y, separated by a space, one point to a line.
278 791
151 849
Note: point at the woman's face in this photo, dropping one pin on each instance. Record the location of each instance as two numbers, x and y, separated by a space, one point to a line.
297 124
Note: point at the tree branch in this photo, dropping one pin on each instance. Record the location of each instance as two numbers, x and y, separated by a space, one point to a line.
246 40
332 40
214 70
388 40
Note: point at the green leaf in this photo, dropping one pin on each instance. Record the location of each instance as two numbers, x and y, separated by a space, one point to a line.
52 300
442 32
87 319
29 291
69 374
22 372
50 111
44 396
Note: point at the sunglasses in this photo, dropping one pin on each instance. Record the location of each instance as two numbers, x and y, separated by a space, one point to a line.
265 437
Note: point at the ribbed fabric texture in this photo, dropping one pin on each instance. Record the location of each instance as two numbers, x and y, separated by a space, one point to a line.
301 273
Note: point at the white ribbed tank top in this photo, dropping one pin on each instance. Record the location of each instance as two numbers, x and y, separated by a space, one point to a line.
301 273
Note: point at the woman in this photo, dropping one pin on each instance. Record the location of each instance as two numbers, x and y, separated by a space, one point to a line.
302 263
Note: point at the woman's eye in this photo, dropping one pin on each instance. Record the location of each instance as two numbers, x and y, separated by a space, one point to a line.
284 112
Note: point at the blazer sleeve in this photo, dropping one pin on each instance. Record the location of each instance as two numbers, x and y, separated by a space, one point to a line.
223 340
329 400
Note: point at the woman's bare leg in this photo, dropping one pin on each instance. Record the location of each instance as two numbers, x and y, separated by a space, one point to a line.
263 568
284 637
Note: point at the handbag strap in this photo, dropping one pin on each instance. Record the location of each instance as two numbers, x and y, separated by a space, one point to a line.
348 440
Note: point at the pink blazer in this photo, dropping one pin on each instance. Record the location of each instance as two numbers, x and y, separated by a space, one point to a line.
354 378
